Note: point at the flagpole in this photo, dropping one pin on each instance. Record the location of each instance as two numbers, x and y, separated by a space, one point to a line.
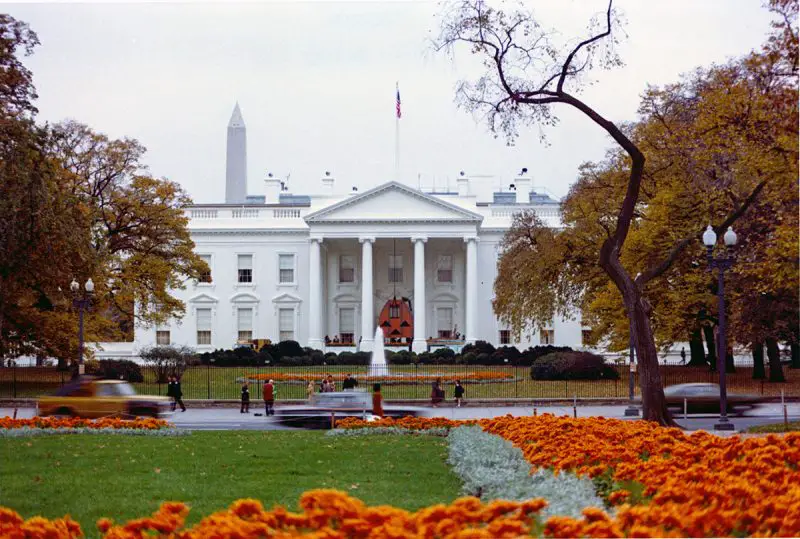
397 135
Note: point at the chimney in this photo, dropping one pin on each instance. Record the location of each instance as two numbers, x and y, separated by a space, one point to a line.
354 191
463 184
523 185
327 184
272 190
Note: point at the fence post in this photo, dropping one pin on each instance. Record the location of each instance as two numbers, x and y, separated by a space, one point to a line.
14 379
566 390
208 379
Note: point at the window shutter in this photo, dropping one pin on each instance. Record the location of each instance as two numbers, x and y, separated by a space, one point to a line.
245 319
203 319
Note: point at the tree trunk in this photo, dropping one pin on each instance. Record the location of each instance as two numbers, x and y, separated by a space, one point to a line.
729 366
795 364
698 356
711 344
774 355
758 361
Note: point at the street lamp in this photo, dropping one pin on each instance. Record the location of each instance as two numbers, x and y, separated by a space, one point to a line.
722 263
82 302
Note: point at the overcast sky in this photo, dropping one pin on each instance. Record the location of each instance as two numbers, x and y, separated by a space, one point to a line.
316 83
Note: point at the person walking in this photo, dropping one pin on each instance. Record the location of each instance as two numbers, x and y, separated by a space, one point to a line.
683 355
459 393
176 392
377 400
437 393
310 390
269 398
245 399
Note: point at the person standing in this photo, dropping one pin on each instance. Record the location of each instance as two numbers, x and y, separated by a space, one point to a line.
377 400
245 399
310 390
177 394
269 398
683 355
459 393
436 392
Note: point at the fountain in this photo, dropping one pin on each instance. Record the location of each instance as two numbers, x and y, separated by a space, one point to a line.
377 363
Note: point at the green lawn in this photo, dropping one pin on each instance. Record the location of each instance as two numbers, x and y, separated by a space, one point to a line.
776 427
203 382
121 477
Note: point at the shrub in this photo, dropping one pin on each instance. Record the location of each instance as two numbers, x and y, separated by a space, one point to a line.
572 366
535 352
116 369
404 357
287 349
168 360
480 347
443 355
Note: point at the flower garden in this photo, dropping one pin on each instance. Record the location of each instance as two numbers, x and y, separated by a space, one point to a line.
564 477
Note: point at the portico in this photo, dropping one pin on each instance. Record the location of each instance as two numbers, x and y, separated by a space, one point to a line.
360 249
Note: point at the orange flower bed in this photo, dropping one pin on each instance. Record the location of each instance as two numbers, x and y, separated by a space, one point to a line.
325 514
701 485
75 423
477 376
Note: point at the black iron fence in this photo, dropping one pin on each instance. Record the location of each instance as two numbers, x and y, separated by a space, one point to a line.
402 382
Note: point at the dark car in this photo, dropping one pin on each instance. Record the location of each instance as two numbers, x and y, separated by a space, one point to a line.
701 397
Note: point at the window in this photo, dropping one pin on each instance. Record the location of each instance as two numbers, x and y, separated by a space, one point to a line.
286 324
444 269
394 311
205 277
347 269
548 336
586 337
286 268
347 324
245 268
395 268
244 321
162 337
505 336
203 326
444 322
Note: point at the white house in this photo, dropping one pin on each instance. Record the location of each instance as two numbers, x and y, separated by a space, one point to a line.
325 269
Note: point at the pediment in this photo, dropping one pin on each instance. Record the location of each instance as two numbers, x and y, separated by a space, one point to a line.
444 296
203 298
286 298
244 297
392 201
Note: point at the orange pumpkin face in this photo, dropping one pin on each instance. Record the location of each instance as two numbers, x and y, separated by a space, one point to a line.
397 321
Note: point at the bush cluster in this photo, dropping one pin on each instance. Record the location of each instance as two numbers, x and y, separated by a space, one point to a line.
116 369
572 366
291 354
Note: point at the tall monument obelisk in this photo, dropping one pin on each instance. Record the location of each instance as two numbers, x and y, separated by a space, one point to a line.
236 166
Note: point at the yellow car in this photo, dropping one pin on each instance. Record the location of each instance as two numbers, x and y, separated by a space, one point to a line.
90 397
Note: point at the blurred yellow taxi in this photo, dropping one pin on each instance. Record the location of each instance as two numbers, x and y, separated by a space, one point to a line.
92 397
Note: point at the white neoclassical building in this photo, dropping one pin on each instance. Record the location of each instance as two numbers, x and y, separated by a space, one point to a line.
326 269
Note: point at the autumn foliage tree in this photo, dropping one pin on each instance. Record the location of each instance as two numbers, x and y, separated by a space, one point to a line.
713 142
77 204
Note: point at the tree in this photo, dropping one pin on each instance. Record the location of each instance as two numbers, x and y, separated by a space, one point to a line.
168 361
77 204
525 75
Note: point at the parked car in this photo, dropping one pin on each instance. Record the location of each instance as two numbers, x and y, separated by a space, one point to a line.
702 397
92 397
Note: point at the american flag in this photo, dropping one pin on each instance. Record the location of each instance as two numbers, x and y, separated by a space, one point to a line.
399 115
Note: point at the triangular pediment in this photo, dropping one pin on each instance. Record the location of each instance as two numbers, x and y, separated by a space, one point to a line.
203 298
244 297
286 297
393 201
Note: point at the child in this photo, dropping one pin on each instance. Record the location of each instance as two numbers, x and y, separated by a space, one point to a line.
459 393
245 399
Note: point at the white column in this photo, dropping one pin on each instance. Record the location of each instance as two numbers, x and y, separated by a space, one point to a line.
315 314
419 344
367 315
471 307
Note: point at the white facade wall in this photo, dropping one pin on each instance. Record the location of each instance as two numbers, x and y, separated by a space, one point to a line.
388 216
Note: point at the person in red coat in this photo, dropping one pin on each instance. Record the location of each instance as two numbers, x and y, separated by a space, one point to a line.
269 398
377 400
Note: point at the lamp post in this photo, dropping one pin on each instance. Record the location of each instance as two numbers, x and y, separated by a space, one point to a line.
722 263
82 302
